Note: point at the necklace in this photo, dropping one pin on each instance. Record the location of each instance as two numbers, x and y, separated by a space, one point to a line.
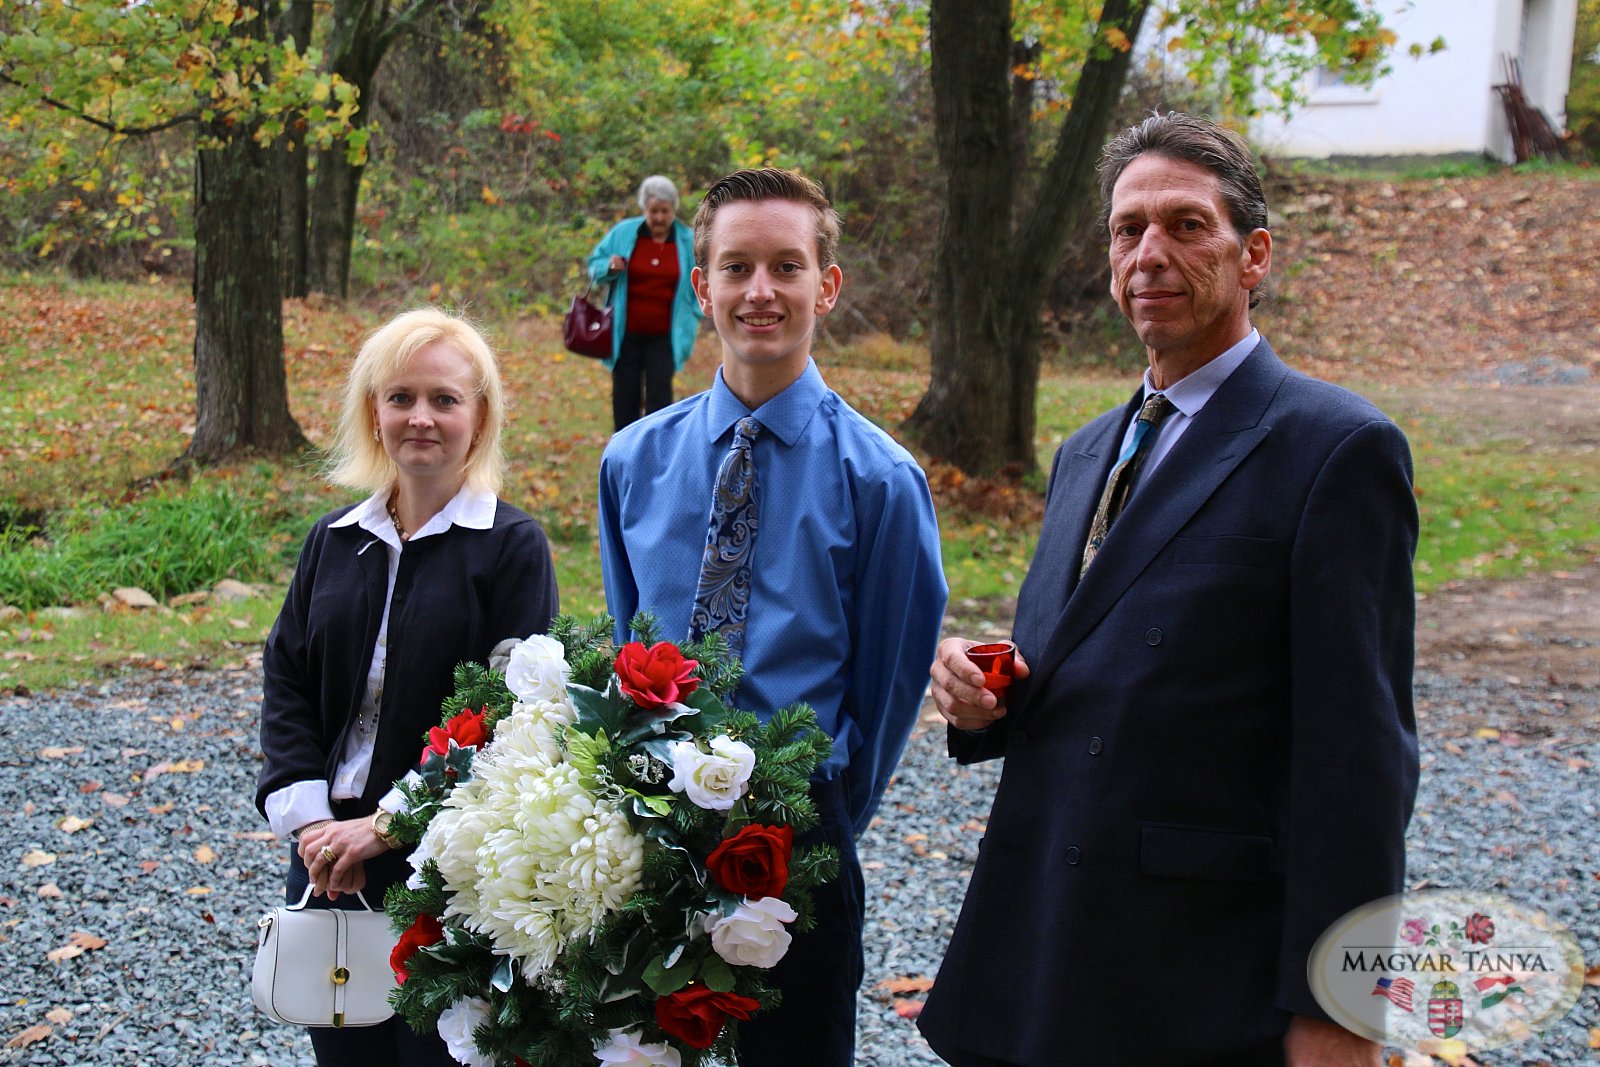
394 517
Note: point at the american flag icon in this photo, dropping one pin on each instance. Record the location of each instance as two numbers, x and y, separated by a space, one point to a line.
1398 990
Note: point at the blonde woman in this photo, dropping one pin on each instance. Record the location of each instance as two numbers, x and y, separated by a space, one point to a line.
389 594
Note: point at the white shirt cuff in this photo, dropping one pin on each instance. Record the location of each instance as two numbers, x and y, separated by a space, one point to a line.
297 804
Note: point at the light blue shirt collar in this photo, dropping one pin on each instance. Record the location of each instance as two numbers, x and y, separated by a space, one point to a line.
1191 392
785 416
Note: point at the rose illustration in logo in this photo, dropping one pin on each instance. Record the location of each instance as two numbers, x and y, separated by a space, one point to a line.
1412 931
1480 929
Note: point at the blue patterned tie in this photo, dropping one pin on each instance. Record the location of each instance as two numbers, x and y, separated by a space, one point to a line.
1120 484
722 597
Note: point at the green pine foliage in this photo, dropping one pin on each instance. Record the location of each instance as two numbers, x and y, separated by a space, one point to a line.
477 687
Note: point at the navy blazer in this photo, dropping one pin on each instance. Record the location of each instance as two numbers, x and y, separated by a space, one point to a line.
456 596
1215 755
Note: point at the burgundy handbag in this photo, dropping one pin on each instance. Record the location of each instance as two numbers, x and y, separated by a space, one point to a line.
586 331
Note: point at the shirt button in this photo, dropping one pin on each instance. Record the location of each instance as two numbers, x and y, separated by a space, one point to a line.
1072 855
1152 636
1095 745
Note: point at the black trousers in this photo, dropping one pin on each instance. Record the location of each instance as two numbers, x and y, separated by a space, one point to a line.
388 1043
641 380
815 1026
1268 1055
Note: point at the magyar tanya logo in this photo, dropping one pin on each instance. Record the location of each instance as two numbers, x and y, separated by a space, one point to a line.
1476 970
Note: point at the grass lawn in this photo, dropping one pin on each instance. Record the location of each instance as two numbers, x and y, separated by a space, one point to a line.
104 399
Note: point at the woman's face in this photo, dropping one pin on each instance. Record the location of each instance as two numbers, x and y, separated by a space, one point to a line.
658 214
429 414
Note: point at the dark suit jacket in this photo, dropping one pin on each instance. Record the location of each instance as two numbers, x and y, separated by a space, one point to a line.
1215 756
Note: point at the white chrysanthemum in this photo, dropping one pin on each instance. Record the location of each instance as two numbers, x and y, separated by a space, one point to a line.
534 729
531 857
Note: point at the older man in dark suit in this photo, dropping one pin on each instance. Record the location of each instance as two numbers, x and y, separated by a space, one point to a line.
1210 747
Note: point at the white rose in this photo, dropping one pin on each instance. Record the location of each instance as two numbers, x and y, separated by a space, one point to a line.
537 671
753 936
712 780
456 1024
628 1050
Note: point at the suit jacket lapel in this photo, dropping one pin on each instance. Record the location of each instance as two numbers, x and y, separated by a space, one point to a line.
1227 429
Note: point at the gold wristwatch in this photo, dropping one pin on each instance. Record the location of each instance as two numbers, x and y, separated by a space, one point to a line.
380 826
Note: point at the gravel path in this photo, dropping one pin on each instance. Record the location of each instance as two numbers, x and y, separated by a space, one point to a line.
129 821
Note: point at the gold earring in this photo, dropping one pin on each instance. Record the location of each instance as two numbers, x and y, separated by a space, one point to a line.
376 436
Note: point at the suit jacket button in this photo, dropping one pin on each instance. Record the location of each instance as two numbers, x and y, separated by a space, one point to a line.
1152 636
1072 855
1095 745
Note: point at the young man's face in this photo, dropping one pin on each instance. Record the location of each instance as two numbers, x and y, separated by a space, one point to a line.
762 286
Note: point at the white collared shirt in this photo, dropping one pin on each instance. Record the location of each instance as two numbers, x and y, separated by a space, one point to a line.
300 803
1188 395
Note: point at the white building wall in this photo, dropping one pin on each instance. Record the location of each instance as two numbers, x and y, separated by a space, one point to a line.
1443 103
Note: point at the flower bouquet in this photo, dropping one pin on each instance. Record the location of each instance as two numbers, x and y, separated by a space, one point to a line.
604 866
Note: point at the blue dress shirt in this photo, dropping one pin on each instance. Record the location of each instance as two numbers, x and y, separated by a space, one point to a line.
847 594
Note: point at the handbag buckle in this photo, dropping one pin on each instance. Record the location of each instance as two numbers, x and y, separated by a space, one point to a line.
341 975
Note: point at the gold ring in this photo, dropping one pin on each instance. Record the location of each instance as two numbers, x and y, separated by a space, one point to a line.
328 853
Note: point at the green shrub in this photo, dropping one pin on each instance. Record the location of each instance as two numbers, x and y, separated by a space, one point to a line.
165 544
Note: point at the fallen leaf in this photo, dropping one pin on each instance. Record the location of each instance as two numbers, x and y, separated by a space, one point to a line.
65 952
203 854
36 858
1592 975
907 1009
31 1035
59 753
198 890
72 824
1594 1037
85 940
50 891
256 835
160 809
1486 733
89 787
59 1016
919 984
148 865
911 839
114 800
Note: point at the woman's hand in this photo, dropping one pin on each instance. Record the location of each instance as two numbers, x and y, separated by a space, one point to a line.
351 842
617 265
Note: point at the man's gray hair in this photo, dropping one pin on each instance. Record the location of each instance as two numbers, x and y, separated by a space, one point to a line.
657 187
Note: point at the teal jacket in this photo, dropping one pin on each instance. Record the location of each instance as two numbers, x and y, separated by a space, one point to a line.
686 313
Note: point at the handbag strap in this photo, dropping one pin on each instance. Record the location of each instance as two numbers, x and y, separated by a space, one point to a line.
305 898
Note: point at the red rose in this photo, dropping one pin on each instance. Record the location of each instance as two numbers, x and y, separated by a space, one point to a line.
656 675
425 931
696 1014
466 728
753 862
1480 929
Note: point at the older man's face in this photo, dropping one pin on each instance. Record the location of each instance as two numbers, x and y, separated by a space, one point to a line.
1179 272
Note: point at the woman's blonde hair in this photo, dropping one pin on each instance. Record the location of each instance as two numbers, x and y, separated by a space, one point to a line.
358 460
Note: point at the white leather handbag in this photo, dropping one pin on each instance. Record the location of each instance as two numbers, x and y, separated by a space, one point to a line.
324 966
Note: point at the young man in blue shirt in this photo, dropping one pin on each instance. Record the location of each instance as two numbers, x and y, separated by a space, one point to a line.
842 599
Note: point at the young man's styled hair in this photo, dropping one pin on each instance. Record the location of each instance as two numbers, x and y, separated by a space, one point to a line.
756 186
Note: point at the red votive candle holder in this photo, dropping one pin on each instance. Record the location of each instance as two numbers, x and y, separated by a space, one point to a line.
995 660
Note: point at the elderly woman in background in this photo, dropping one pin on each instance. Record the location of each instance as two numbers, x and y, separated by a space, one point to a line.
389 594
646 260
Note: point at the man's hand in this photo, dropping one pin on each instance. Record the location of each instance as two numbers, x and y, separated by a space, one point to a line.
1314 1043
958 690
616 265
352 842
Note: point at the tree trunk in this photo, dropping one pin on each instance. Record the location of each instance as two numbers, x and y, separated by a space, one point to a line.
241 397
362 31
294 159
333 219
991 274
970 415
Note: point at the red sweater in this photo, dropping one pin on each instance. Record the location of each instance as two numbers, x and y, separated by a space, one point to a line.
652 285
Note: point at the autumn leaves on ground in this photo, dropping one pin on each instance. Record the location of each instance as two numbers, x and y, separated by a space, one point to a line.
1466 308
